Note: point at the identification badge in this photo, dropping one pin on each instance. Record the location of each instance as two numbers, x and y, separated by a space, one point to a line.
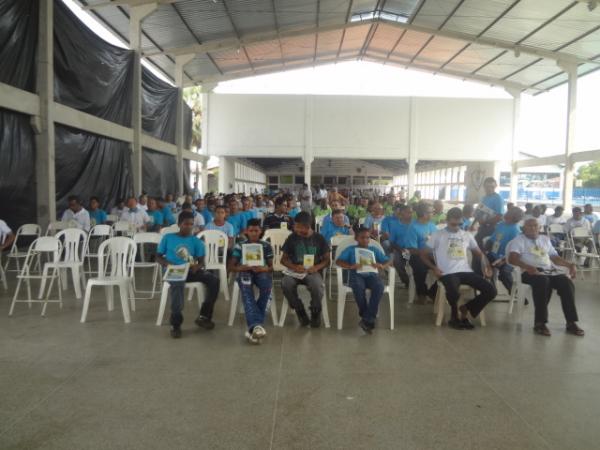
456 250
283 225
496 245
540 255
221 242
309 261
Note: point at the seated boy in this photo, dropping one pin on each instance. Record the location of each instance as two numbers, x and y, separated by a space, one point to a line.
305 253
97 215
254 275
361 281
220 224
181 248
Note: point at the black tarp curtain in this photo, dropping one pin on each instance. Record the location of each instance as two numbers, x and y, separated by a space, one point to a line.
91 76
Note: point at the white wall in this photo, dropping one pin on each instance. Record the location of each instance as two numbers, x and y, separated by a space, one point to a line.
359 127
237 176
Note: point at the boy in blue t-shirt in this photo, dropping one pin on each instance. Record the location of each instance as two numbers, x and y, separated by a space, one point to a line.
181 248
254 273
236 218
416 239
361 281
219 223
97 215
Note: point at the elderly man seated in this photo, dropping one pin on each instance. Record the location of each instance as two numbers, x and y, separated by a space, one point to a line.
540 264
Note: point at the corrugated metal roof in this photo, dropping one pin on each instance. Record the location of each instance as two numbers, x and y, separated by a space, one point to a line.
562 26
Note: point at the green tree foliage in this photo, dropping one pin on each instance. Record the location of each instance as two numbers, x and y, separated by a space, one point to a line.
590 174
193 97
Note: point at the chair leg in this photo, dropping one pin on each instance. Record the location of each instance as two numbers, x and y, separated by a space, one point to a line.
482 321
325 311
273 307
28 283
110 300
392 314
124 291
76 281
131 294
86 302
234 301
341 304
439 305
14 300
224 285
43 282
284 310
163 303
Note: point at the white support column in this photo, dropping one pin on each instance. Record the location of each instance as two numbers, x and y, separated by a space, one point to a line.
180 62
204 134
412 148
567 192
204 176
226 175
43 124
136 15
514 171
308 156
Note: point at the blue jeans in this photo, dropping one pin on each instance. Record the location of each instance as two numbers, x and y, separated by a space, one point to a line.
255 307
177 295
359 285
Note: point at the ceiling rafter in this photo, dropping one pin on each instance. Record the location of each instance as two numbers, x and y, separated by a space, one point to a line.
348 14
237 33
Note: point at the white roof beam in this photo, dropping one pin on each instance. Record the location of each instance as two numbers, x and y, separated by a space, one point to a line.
127 3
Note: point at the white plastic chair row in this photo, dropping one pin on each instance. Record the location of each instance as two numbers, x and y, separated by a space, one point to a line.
344 289
29 230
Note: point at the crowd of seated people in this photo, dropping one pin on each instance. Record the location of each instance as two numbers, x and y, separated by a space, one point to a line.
425 240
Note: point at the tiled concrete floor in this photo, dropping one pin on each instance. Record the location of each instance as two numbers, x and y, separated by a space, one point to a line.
107 385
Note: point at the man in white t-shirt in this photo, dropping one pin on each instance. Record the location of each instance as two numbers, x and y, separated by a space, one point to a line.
451 267
135 215
7 237
77 214
577 221
540 262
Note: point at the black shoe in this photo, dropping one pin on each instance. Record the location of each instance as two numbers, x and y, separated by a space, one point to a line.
366 327
204 322
456 324
175 332
315 319
303 317
466 325
526 302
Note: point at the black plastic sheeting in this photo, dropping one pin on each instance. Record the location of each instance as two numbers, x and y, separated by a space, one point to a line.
159 173
90 74
89 165
187 127
17 170
187 171
159 107
18 42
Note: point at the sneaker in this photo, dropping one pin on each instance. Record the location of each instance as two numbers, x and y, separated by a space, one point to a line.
251 339
456 324
175 332
303 317
367 328
258 332
204 322
315 319
466 324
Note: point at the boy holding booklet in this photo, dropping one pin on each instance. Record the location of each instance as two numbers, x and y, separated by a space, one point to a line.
363 261
305 254
184 248
252 259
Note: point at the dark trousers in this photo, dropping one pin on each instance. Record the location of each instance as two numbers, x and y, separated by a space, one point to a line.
314 284
211 282
504 272
420 274
359 284
452 283
400 266
542 286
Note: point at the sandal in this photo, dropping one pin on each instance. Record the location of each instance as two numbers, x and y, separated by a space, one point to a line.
573 329
541 329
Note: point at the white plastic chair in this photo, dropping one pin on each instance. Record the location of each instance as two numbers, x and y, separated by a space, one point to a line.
441 301
3 275
55 227
195 287
120 252
216 243
236 296
361 220
123 228
170 229
30 230
97 235
520 291
140 240
344 289
334 244
73 241
112 218
51 247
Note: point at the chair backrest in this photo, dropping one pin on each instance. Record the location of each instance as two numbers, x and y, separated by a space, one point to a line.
45 244
112 218
335 244
120 252
170 229
216 243
27 230
53 227
556 228
123 227
73 241
102 230
580 232
277 238
346 242
147 238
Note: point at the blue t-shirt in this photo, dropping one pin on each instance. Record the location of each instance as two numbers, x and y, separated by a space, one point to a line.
349 256
329 230
466 224
238 221
176 248
98 216
168 216
502 235
494 202
294 212
387 224
250 214
226 228
370 220
596 229
399 233
208 217
157 217
418 234
327 218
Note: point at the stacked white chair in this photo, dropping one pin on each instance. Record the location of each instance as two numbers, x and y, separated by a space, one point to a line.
142 239
117 271
170 229
73 242
583 237
216 243
344 289
29 230
44 246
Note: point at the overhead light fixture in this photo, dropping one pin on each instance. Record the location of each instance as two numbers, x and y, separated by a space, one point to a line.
517 52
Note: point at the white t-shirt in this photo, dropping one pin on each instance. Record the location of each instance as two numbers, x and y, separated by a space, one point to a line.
144 207
199 221
536 252
572 223
551 220
4 231
542 221
138 218
450 250
81 218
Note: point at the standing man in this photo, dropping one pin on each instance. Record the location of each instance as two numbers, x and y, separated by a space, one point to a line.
305 196
489 212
